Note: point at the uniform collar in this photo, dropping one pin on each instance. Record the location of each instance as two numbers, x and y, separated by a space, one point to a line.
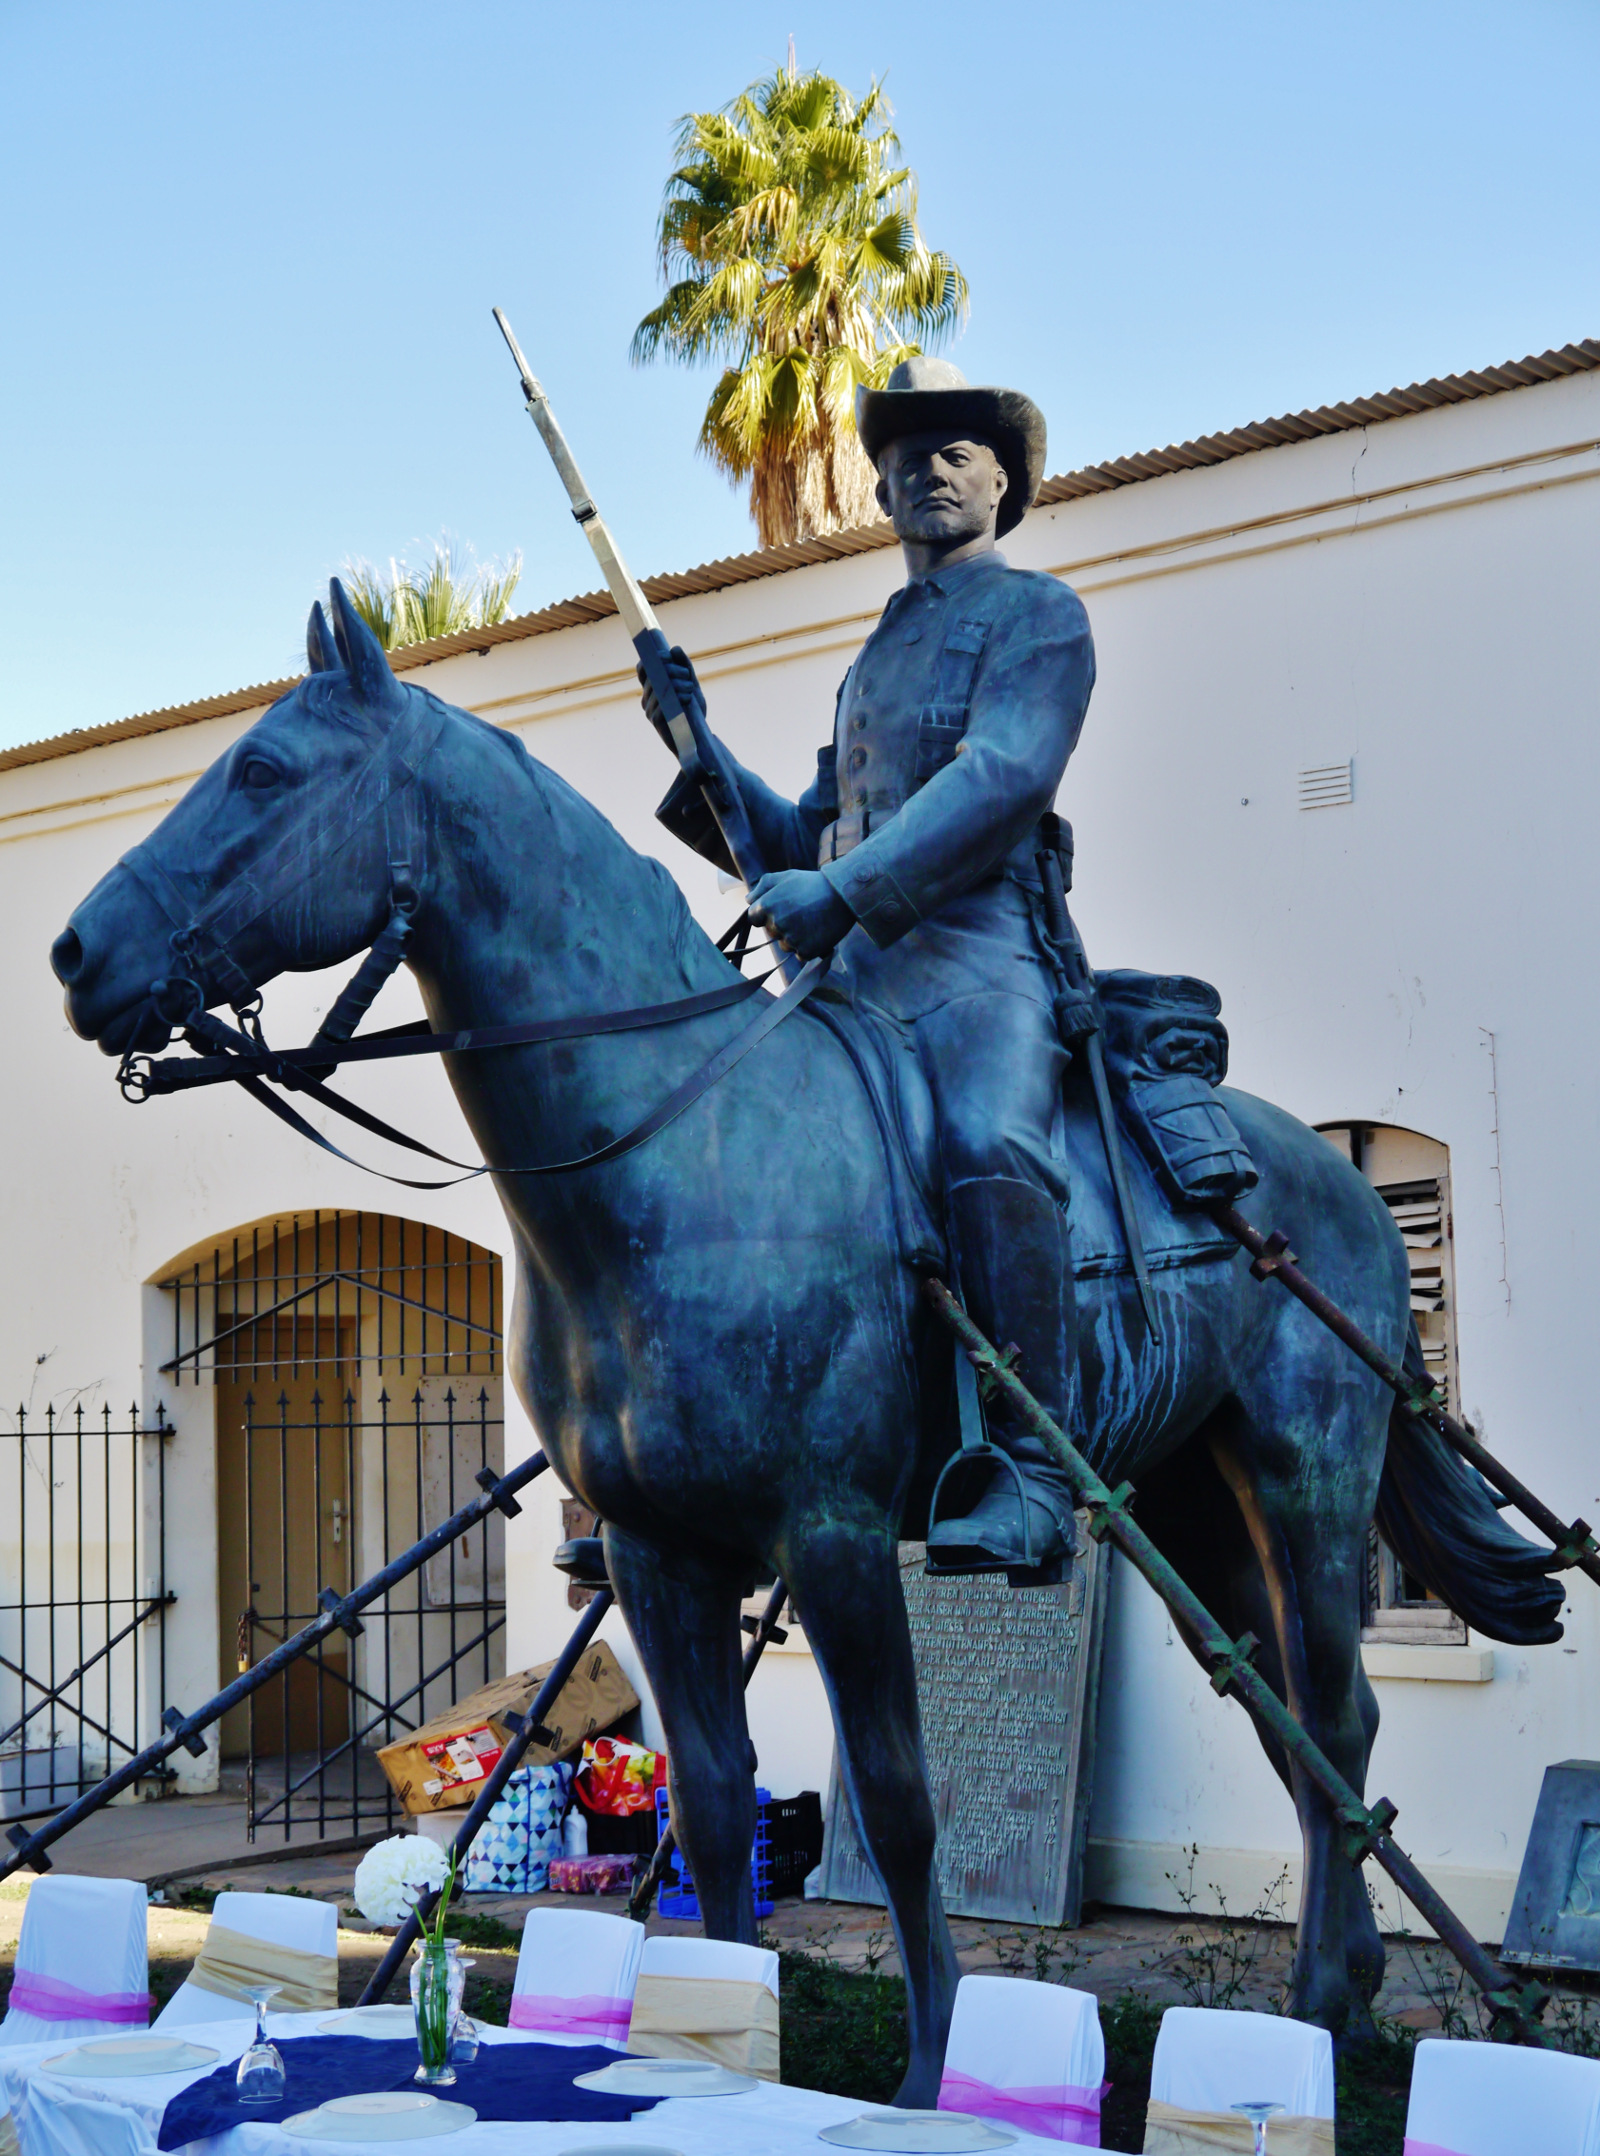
951 578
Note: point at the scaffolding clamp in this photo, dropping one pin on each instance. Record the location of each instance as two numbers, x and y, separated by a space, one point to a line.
191 1739
488 1480
333 1603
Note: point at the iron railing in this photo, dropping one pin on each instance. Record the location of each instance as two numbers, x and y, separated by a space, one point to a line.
83 1596
310 1736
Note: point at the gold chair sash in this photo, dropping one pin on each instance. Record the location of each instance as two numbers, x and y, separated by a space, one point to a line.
230 1960
9 2144
1171 2131
707 2017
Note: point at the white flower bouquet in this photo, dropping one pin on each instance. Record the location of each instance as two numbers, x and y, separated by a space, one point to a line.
394 1874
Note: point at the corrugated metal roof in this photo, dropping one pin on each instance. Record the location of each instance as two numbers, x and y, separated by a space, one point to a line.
1582 358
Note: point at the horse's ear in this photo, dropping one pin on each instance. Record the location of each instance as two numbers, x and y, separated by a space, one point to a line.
364 658
322 654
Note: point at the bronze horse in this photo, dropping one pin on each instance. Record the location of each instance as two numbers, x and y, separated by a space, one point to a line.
715 1335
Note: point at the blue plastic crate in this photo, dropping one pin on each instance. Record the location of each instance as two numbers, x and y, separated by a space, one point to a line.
677 1897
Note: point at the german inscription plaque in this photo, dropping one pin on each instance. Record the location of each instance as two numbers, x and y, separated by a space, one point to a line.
1008 1683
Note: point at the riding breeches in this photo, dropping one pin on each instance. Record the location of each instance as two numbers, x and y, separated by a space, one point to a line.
977 993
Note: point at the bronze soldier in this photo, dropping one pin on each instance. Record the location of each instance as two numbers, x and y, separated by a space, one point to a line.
913 853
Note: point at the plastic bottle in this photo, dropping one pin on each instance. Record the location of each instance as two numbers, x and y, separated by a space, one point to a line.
575 1833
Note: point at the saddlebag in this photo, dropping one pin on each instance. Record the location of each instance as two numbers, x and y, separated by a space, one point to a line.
1166 1049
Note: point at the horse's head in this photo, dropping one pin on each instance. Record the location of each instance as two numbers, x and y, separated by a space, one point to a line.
286 856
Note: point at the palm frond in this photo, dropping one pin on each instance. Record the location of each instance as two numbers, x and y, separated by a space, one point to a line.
791 255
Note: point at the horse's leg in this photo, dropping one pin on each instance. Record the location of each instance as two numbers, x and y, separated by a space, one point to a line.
684 1617
1191 1515
846 1582
1302 1484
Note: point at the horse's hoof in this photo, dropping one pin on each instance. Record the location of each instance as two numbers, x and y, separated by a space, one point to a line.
583 1560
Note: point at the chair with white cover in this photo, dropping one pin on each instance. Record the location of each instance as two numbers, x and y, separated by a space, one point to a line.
575 1976
1501 2100
1030 2055
1208 2059
260 1939
82 1961
708 1999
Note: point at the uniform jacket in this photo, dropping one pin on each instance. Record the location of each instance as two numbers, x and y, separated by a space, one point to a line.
951 733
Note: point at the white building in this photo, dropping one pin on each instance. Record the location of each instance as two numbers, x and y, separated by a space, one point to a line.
1341 761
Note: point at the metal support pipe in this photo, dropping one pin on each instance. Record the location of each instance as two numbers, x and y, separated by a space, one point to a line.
766 1627
1366 1829
528 1732
184 1730
1575 1544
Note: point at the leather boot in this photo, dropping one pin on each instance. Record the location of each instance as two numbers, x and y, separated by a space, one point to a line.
1016 1280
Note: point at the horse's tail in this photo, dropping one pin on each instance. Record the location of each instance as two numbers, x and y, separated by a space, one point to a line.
1438 1517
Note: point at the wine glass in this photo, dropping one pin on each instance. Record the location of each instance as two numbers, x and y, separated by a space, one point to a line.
464 2037
261 2077
1258 2114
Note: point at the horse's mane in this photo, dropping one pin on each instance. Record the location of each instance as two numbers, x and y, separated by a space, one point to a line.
654 888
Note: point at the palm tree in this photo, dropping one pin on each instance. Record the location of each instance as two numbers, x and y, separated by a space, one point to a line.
790 250
409 606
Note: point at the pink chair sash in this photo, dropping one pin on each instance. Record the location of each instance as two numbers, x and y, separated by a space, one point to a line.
1061 2112
1428 2148
51 2000
590 2014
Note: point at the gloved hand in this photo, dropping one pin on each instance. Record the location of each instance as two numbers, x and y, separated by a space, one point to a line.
802 909
684 679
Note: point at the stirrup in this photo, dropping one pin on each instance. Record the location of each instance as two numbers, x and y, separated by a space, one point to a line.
1029 1573
583 1560
976 1446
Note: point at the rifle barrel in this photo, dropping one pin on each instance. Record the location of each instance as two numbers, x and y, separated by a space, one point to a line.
637 614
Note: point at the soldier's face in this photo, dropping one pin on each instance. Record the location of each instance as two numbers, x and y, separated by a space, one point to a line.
940 489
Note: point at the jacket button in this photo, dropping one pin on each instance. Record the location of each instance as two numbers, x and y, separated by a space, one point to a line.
857 758
861 800
859 723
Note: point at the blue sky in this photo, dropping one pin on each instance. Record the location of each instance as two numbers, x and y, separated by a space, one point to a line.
249 256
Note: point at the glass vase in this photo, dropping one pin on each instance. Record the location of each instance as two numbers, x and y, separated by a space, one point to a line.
437 1979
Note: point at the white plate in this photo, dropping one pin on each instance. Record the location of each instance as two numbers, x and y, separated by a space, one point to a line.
619 2148
917 2133
114 2057
370 2021
665 2077
388 2115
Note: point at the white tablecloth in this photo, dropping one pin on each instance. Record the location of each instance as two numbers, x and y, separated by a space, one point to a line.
770 2121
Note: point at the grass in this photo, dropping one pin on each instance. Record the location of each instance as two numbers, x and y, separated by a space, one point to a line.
845 2031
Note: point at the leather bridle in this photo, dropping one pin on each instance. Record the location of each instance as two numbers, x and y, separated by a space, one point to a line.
201 942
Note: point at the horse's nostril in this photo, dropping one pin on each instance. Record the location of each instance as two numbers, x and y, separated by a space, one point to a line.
66 956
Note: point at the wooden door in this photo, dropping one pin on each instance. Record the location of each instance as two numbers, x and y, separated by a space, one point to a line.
284 1531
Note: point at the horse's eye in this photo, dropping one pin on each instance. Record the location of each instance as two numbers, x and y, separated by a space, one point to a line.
259 774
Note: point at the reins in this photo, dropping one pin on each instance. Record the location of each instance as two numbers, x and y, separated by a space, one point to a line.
243 1056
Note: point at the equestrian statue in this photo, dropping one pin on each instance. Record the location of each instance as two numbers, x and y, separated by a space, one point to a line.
722 1205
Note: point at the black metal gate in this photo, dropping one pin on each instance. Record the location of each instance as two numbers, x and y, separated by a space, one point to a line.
82 1599
356 1365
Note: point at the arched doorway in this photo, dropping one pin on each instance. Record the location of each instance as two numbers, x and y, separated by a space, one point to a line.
355 1364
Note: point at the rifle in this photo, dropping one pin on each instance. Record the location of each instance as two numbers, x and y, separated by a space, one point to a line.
1082 1027
684 720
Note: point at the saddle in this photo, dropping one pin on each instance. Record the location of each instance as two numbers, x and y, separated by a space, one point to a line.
1166 1052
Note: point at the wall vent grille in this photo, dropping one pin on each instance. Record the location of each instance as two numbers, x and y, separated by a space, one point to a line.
1326 786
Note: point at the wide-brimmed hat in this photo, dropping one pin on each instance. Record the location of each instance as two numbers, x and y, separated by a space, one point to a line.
924 394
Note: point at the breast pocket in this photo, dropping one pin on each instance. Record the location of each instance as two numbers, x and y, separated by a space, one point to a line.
939 732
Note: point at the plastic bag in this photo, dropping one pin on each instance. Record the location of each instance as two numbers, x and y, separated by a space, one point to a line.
619 1777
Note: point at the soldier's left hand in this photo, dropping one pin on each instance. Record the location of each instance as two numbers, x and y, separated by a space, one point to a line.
802 910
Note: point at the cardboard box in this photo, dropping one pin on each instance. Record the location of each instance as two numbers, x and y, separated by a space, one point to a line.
447 1761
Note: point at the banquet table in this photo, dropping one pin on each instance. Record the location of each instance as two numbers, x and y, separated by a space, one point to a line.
772 2120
